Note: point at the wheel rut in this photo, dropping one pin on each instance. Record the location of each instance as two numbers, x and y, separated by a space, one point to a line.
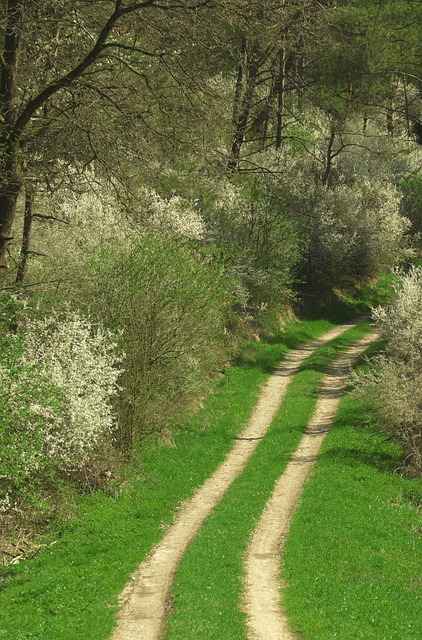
266 619
145 598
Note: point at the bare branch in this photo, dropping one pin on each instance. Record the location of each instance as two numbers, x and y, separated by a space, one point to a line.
132 49
43 217
75 73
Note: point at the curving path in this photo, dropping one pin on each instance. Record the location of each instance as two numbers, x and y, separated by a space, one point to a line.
263 606
145 599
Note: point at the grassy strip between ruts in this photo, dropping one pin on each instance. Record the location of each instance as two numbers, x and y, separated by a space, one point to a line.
69 591
208 585
353 559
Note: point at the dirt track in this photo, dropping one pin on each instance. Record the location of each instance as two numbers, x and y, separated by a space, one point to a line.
262 586
145 598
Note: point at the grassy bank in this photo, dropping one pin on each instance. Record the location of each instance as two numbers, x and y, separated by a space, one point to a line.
207 601
353 558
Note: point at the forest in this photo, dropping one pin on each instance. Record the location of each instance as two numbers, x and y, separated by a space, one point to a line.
176 178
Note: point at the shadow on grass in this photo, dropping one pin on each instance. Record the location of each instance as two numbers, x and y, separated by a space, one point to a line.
353 457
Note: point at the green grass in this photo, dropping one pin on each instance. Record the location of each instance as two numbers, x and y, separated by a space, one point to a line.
208 584
353 559
69 591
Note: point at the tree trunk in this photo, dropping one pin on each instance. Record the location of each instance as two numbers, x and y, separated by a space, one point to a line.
242 121
406 110
391 108
281 97
330 156
300 72
26 238
240 83
9 141
268 107
391 117
10 186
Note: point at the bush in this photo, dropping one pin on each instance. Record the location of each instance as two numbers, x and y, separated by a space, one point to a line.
412 205
29 405
81 360
170 306
247 221
357 232
57 377
394 382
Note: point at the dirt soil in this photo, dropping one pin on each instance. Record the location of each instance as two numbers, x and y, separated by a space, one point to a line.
145 599
263 605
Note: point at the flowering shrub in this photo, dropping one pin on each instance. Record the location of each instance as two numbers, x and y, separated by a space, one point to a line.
29 406
175 216
395 380
82 364
358 230
57 377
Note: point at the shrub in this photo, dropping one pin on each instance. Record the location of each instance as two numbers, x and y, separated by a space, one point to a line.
170 306
29 405
412 205
57 377
81 360
394 382
248 222
357 232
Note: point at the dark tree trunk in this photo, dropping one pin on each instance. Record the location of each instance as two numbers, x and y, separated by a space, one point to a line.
391 108
269 107
10 186
406 109
245 107
300 72
240 83
26 238
9 141
281 97
330 156
391 117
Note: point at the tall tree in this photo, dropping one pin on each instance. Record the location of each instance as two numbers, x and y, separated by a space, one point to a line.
90 39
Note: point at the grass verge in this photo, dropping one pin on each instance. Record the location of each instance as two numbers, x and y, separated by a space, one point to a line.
70 589
206 602
353 557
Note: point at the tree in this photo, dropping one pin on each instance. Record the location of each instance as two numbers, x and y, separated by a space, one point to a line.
269 40
53 69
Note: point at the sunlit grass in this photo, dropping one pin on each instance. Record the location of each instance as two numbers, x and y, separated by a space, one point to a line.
353 560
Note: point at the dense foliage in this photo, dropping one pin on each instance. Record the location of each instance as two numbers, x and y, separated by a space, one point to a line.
170 173
395 377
